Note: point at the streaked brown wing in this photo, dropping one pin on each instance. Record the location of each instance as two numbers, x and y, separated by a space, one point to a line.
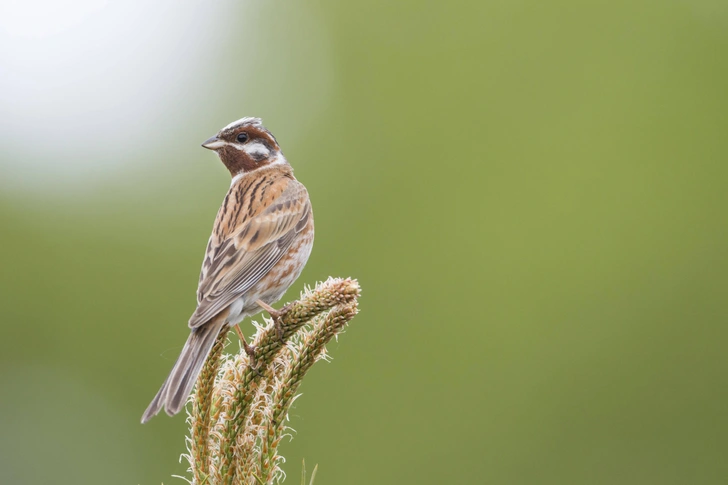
250 251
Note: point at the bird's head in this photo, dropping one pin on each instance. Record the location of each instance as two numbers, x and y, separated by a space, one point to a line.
246 145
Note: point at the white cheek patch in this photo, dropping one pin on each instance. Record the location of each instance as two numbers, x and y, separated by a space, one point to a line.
256 150
279 160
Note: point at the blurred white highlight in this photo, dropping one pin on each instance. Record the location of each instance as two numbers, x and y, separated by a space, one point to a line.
91 90
44 18
83 82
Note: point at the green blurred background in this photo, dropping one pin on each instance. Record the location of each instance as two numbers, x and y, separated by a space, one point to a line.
532 195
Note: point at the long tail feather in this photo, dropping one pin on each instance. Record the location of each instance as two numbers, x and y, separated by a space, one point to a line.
178 386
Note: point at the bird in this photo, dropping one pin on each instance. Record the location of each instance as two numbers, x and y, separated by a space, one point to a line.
261 240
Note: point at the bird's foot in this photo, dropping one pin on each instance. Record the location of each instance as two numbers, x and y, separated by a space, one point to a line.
249 350
275 315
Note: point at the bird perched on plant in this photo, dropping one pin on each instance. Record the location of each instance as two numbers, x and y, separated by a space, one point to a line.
260 242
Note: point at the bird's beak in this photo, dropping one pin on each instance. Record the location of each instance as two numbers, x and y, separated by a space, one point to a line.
213 143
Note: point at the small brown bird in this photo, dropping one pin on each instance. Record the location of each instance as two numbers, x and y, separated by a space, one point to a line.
260 242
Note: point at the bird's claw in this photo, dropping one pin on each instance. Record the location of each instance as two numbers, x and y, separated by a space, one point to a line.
276 316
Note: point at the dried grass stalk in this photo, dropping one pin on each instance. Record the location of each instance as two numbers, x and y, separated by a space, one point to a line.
240 407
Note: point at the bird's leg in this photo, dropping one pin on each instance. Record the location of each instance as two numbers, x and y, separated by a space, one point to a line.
249 349
275 315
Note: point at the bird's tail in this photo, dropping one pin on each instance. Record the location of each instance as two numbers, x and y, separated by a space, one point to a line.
175 390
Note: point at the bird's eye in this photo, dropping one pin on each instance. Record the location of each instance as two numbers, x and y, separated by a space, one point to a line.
242 137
